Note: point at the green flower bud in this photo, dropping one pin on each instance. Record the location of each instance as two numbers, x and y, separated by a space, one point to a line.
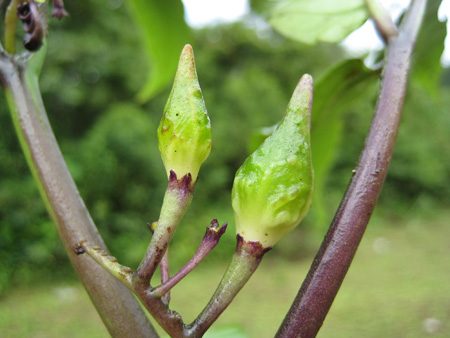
184 133
273 189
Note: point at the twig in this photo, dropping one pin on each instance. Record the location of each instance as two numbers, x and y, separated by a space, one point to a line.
109 263
333 260
164 265
177 199
165 275
11 26
245 261
210 240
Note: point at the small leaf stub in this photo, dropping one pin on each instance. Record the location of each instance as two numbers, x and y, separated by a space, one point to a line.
272 191
184 133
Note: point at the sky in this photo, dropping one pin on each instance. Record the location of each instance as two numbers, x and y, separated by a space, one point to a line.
200 13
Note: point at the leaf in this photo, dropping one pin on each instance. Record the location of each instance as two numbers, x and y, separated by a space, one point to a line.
164 34
316 21
334 94
427 69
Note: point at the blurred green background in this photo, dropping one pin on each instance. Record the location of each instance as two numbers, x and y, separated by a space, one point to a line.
97 63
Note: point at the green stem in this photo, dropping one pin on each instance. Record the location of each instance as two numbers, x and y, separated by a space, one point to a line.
385 26
245 261
11 26
109 263
177 200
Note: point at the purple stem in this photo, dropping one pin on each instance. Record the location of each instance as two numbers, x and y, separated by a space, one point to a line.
164 265
333 260
169 320
165 275
210 240
165 271
58 9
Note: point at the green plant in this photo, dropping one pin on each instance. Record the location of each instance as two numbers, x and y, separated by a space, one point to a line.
19 78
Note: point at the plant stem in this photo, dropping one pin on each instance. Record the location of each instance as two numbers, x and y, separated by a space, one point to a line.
245 261
333 260
210 240
58 9
169 320
11 26
165 275
164 266
63 202
177 199
385 26
109 263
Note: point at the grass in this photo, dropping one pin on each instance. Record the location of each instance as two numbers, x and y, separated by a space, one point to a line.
398 286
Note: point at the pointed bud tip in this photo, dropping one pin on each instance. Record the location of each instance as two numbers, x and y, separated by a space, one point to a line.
306 80
187 49
305 85
187 55
303 95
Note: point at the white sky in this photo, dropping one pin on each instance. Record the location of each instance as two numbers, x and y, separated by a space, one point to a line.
204 12
200 13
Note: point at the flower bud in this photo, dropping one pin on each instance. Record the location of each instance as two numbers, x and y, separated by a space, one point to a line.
273 189
184 133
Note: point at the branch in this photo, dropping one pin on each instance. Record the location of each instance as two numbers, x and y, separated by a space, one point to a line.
63 202
333 260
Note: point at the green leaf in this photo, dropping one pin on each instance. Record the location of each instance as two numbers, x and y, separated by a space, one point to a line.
334 94
427 69
313 21
164 34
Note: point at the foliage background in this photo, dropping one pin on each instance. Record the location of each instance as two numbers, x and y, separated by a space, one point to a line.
96 66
